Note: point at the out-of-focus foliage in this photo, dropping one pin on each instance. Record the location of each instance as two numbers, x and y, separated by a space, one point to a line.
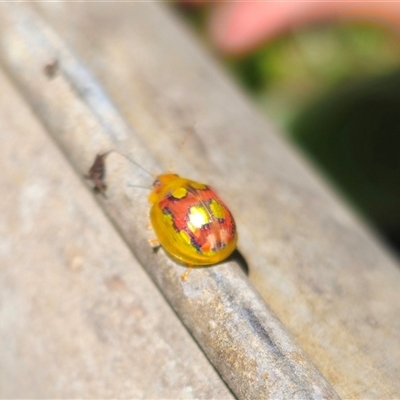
354 136
302 66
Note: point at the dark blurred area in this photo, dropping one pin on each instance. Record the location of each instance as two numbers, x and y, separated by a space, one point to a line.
353 134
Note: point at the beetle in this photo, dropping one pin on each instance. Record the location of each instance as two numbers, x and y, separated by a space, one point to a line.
191 222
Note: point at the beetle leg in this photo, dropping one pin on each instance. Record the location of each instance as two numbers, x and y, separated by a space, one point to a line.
185 275
154 243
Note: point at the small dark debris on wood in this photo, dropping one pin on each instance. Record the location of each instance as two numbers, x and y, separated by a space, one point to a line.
97 173
51 69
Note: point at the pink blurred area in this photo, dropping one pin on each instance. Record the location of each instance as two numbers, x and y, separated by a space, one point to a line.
240 27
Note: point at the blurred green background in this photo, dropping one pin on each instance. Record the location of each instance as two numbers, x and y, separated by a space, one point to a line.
334 90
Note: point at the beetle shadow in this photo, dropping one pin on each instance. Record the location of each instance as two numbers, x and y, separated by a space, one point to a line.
237 256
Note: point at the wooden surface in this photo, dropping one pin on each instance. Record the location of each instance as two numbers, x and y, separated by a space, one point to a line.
320 271
79 317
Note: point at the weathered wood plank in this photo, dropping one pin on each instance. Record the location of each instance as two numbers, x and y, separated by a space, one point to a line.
323 274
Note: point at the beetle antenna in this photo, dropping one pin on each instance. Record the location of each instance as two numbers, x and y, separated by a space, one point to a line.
140 187
97 171
130 160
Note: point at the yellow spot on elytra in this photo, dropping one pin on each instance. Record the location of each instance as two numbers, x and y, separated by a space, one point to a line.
198 217
197 185
217 209
185 236
167 218
179 193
